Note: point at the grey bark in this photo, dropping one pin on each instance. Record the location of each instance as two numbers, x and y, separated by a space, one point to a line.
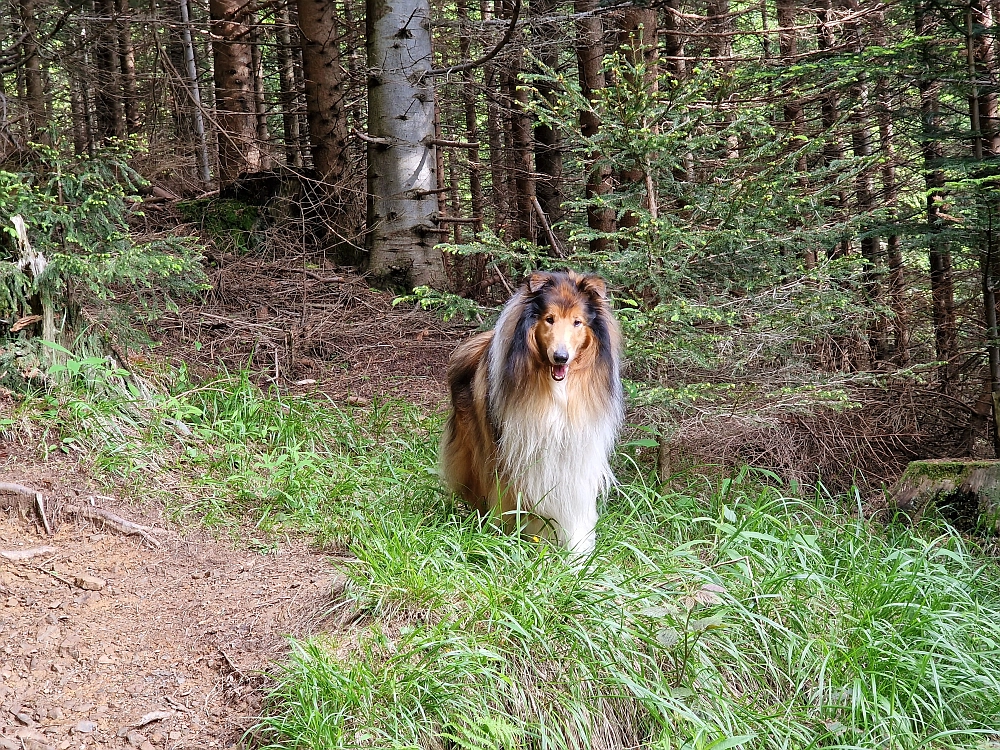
403 206
194 90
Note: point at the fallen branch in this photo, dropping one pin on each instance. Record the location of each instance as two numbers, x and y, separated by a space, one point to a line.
151 717
116 522
26 554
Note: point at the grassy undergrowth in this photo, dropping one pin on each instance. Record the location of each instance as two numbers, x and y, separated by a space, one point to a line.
725 615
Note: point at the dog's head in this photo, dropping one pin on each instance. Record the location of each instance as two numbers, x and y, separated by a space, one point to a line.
565 307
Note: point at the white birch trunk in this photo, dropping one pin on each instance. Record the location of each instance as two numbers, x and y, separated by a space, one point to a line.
403 206
191 69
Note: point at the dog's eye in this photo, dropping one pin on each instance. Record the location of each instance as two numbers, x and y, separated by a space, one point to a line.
577 323
550 320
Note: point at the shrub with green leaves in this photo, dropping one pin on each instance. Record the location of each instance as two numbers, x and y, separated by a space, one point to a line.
76 213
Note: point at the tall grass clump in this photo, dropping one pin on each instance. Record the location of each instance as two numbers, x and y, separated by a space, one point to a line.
741 619
226 449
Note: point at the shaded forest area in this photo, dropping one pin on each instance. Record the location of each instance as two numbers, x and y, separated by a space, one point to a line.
795 203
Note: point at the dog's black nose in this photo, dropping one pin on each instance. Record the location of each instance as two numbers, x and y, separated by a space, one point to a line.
560 356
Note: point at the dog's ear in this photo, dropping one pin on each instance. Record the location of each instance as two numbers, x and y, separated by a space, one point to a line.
537 280
593 286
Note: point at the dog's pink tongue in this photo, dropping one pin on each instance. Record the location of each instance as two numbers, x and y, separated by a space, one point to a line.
559 372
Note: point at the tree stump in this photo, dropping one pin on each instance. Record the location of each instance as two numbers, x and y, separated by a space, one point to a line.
965 491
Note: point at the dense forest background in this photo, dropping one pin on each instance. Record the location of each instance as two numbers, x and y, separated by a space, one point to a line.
794 203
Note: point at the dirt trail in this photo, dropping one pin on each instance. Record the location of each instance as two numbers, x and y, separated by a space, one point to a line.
183 631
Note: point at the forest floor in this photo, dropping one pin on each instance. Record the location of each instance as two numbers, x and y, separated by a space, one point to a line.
169 647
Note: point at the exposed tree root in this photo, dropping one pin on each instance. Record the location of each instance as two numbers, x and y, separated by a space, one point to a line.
26 554
93 513
26 499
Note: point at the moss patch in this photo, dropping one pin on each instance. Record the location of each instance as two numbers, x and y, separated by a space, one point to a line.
230 223
967 492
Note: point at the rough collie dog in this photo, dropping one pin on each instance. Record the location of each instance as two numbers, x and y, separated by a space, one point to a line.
536 408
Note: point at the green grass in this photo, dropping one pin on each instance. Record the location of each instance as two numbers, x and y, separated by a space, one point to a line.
725 615
741 619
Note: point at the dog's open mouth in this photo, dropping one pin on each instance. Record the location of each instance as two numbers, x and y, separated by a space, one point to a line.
559 372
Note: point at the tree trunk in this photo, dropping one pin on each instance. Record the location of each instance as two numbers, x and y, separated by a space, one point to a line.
942 280
194 91
471 133
235 107
79 118
983 112
676 65
33 82
793 111
861 145
403 206
590 64
520 151
895 280
108 103
833 149
289 89
126 58
496 119
720 47
638 42
673 45
324 89
548 153
259 100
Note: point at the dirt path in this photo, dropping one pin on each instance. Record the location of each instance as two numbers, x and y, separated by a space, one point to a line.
180 633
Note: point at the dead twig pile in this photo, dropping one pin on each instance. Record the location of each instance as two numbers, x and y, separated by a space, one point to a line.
866 444
294 318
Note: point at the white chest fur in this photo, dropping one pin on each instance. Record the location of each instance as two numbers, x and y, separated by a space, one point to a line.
554 459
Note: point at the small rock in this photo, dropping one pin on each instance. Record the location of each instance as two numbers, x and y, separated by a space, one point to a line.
11 602
147 745
6 743
82 708
27 733
37 745
56 713
23 718
70 647
175 735
48 633
89 583
85 727
156 738
135 739
105 659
